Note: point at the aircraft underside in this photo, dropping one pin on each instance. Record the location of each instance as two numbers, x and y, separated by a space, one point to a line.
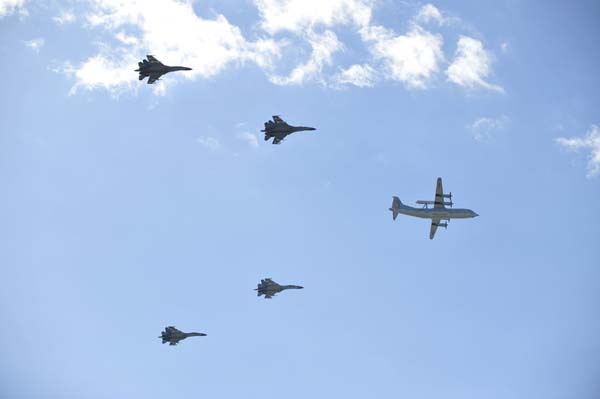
430 214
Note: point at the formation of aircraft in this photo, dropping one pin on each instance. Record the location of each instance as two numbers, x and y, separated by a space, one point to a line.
438 213
278 130
267 287
154 69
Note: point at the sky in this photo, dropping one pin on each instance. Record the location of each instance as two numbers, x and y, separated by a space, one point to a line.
129 207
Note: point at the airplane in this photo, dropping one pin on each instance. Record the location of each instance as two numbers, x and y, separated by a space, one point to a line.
279 129
173 335
154 69
269 288
438 213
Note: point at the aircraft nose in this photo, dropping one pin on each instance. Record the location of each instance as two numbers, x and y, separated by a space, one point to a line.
475 214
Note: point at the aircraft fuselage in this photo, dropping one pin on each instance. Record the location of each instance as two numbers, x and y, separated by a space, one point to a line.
285 129
437 213
152 68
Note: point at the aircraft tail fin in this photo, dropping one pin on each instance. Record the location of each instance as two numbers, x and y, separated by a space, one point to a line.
396 204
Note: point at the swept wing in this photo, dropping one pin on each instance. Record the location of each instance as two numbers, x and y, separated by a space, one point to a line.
152 58
172 330
153 77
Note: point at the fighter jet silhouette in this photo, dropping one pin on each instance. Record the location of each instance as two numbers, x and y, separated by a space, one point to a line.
154 69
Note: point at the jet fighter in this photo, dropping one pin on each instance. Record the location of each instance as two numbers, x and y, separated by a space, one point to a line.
269 288
279 129
154 69
438 213
173 335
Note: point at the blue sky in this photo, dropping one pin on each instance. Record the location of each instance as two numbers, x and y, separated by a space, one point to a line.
129 207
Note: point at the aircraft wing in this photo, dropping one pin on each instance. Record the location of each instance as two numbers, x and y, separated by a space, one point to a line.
153 77
439 196
277 119
277 140
152 58
172 330
434 226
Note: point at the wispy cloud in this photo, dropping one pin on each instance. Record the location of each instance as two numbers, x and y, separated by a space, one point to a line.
65 17
301 16
110 69
472 64
296 42
206 45
323 47
209 142
8 7
249 138
413 58
35 44
591 142
357 75
483 129
429 13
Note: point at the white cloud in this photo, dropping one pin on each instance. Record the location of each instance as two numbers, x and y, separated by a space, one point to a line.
64 18
249 138
483 129
323 47
110 69
206 45
429 13
35 44
413 58
591 142
208 142
126 39
471 65
505 47
305 19
8 7
305 15
357 75
298 35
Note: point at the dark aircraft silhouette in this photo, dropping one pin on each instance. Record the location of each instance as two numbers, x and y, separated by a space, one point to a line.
173 335
154 69
279 129
269 288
